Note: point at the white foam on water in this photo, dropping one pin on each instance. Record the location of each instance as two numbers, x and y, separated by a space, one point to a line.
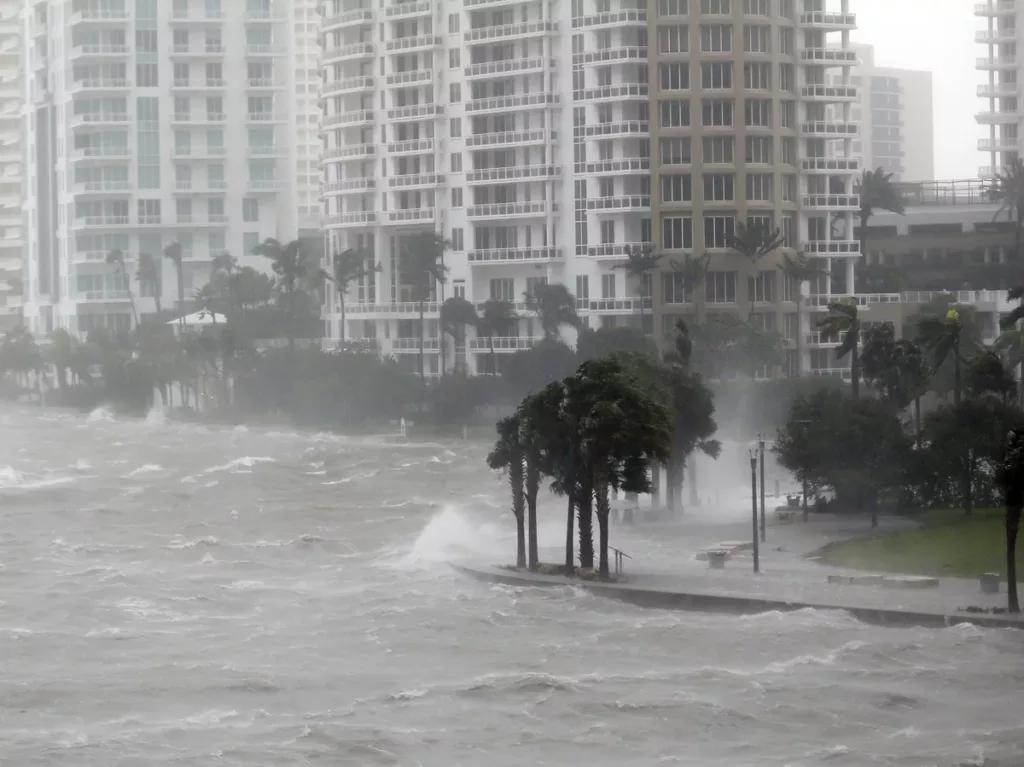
247 461
156 416
100 414
148 468
453 534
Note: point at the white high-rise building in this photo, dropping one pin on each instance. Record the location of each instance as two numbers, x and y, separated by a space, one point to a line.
1001 87
151 122
544 139
304 45
12 171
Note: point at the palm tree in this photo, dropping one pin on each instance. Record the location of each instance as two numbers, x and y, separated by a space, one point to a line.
496 317
456 315
1010 477
290 263
799 270
987 373
755 241
348 266
147 272
555 306
507 455
62 353
877 192
424 258
942 336
1008 191
844 324
694 270
896 369
116 258
641 260
1010 344
173 254
541 433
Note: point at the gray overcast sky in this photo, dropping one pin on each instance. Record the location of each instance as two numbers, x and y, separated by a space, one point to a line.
938 36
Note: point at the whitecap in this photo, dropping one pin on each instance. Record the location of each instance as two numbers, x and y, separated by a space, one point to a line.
181 543
245 461
148 468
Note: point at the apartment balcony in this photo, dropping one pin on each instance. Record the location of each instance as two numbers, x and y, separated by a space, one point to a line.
502 344
999 144
102 296
840 129
498 211
265 17
99 51
264 84
832 248
830 93
101 188
412 215
832 202
632 202
624 92
830 165
512 103
613 55
89 256
995 36
996 62
208 51
189 188
348 186
265 151
195 16
998 118
348 19
99 85
267 117
412 77
525 30
358 117
488 4
499 256
265 186
352 52
416 112
632 17
261 50
411 44
94 222
349 85
614 251
505 68
98 16
199 152
407 309
628 305
181 85
100 120
623 166
349 152
509 139
412 146
828 55
416 181
406 345
513 174
996 8
829 22
638 128
998 91
100 153
356 218
409 10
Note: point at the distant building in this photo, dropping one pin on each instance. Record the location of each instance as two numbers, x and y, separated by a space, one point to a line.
1000 86
896 118
12 172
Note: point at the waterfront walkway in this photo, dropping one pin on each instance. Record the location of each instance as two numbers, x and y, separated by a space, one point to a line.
788 579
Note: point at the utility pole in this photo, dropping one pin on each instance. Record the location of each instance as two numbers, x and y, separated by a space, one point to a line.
760 445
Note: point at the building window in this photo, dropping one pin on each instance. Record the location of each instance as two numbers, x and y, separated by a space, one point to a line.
787 80
582 287
676 188
718 231
757 76
719 187
716 75
677 232
757 7
503 289
673 8
457 240
457 197
453 23
716 7
720 287
455 93
786 41
715 38
717 150
674 151
607 286
675 113
249 241
674 77
759 186
788 150
757 113
757 38
456 162
454 59
607 232
455 128
787 110
759 150
716 113
250 210
789 230
674 39
674 288
762 288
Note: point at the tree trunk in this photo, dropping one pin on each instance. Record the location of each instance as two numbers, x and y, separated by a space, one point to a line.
956 372
694 496
917 421
181 293
855 362
799 330
570 559
601 499
423 333
341 302
532 487
291 324
1012 529
969 484
494 357
515 478
655 469
585 510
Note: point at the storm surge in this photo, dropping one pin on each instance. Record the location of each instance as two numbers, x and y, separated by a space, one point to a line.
182 594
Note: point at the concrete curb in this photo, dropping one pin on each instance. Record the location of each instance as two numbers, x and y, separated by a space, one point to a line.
708 601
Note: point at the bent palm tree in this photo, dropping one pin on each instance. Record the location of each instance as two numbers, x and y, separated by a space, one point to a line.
456 315
424 256
173 254
496 317
148 273
843 324
508 456
116 258
755 241
799 270
348 266
1010 344
290 263
1008 191
877 192
694 270
641 260
555 306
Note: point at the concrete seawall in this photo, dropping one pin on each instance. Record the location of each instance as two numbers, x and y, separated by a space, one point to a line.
708 600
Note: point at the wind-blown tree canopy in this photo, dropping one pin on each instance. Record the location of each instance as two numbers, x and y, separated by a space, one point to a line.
423 261
508 455
1008 191
693 270
987 374
148 273
295 267
641 261
456 315
555 306
798 270
594 344
843 323
947 338
877 192
347 267
497 318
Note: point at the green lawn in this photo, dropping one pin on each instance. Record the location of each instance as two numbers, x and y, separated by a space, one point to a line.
948 543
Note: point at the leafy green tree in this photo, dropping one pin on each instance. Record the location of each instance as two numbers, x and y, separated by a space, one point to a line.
347 267
987 374
896 369
293 266
423 258
508 455
173 253
541 433
148 273
843 323
532 369
555 306
456 315
641 262
116 259
1010 345
1010 477
877 192
496 317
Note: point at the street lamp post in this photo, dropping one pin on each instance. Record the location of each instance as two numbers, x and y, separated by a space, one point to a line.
760 445
753 503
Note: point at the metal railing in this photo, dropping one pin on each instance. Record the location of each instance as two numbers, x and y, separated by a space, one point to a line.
619 554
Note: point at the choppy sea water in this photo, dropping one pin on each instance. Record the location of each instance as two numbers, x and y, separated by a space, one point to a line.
174 594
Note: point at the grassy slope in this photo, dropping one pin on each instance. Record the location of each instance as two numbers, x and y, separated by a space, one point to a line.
949 543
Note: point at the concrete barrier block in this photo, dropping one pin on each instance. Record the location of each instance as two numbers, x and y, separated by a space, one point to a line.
909 582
